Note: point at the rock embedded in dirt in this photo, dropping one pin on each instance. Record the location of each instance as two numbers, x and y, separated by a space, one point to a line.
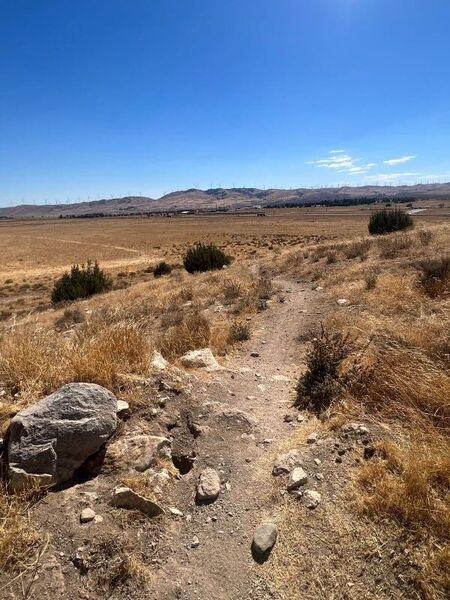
342 301
139 452
124 497
158 362
311 499
254 354
312 438
286 462
297 477
87 515
51 439
288 418
208 486
200 359
123 409
264 538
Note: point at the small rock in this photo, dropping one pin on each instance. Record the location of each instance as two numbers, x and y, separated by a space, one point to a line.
312 438
311 499
297 477
286 462
264 538
338 459
174 511
317 461
87 515
288 418
195 542
208 487
254 354
124 497
300 418
342 301
198 359
159 363
123 409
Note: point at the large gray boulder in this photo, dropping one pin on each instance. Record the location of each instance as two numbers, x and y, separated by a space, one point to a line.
49 440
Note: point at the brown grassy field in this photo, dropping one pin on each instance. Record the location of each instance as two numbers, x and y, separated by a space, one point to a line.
110 338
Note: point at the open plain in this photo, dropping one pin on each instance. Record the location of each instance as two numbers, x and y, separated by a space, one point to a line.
308 297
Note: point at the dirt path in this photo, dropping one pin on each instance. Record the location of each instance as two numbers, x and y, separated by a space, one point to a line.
242 447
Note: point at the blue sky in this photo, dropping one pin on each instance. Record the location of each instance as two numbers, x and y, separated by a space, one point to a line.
116 97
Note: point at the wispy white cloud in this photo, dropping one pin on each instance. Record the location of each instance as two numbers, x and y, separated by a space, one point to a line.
400 160
343 163
393 176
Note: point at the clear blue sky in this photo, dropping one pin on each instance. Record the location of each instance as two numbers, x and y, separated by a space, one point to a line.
115 97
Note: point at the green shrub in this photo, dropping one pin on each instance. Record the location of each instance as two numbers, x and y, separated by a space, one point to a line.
205 257
162 268
81 282
435 276
387 221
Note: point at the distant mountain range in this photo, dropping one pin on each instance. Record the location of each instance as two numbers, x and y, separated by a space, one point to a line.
229 199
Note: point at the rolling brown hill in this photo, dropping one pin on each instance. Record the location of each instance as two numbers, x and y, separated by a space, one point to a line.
221 198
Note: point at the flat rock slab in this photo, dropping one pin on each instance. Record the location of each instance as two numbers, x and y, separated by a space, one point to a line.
139 452
200 359
51 439
124 497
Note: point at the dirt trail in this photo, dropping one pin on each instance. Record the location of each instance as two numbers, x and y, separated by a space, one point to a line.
242 448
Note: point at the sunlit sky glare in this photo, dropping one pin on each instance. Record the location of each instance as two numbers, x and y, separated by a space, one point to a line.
102 98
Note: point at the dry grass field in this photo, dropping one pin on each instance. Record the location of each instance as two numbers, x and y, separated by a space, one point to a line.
400 327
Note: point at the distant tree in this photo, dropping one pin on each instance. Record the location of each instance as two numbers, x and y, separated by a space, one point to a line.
81 282
388 221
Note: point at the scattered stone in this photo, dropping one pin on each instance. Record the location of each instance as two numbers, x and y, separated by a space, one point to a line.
123 409
87 515
124 497
300 418
208 487
319 476
195 542
317 461
342 301
286 462
311 499
49 440
174 511
357 428
254 354
158 362
264 538
297 477
199 359
318 288
288 418
312 438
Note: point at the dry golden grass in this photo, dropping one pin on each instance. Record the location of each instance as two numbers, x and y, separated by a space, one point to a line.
407 385
18 538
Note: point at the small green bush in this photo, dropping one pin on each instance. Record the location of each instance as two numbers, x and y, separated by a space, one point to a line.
205 257
387 221
161 269
81 282
435 276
